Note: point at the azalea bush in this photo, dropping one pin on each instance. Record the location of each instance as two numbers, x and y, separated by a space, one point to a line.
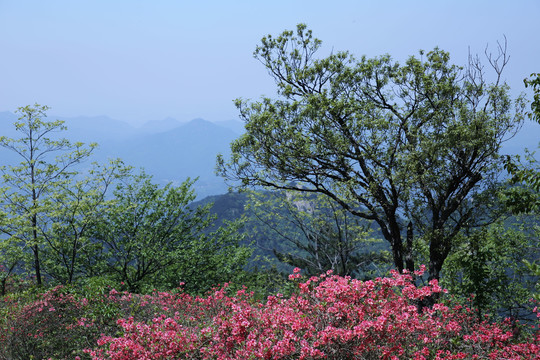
329 317
326 317
63 321
57 324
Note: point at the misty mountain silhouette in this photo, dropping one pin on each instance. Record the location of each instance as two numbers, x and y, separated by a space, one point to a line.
169 150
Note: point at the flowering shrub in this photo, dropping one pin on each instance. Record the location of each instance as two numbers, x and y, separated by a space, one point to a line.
39 328
60 323
330 317
56 324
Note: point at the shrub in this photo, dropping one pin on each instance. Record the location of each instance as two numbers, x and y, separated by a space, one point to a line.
328 317
58 323
44 327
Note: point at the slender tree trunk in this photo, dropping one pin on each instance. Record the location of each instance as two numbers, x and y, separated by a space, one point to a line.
35 250
3 289
35 246
71 269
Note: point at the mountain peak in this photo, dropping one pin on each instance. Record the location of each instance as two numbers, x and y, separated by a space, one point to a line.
157 126
199 121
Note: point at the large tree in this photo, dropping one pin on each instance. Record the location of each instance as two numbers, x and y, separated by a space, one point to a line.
46 161
409 146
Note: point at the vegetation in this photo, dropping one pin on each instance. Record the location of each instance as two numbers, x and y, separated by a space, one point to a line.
489 263
76 207
150 236
525 198
36 177
316 234
327 316
64 224
99 262
412 147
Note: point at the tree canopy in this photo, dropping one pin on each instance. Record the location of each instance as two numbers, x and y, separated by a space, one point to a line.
60 220
409 146
29 183
153 236
315 234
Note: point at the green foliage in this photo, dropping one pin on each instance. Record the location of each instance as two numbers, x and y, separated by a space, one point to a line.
523 193
534 83
264 280
76 207
525 198
488 263
410 146
151 237
210 259
11 259
29 184
316 234
63 222
534 269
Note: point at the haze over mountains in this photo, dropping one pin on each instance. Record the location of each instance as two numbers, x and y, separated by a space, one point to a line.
168 149
171 150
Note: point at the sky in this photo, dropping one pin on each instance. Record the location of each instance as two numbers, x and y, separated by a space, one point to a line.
138 60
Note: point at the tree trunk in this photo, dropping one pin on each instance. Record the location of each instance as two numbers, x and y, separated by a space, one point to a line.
409 259
438 251
397 245
35 250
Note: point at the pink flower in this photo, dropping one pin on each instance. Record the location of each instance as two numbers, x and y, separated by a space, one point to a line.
331 317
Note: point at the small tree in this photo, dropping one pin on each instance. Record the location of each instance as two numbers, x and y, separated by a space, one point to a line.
77 206
10 257
27 185
534 83
526 198
151 236
488 262
523 197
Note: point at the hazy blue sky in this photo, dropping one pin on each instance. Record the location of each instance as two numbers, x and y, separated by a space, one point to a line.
146 60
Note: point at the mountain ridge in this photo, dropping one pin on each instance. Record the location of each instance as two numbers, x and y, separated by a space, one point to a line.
169 150
172 150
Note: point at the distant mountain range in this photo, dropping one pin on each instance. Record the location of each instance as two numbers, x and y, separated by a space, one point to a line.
171 150
168 149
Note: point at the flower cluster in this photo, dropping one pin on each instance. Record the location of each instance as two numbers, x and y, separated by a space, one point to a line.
329 317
